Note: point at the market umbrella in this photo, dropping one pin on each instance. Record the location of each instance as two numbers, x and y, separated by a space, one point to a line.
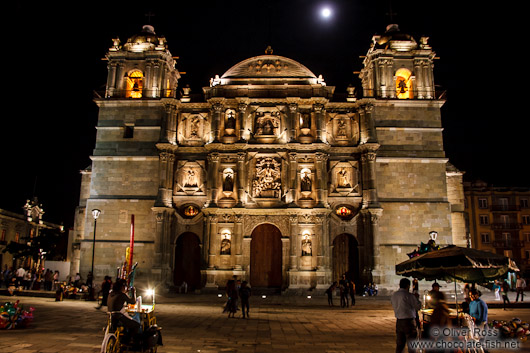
457 263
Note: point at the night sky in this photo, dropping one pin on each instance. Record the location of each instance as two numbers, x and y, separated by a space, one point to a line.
52 64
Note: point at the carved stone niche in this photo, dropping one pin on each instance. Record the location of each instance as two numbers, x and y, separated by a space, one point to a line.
266 186
189 178
344 129
227 188
267 125
193 129
344 178
229 126
306 127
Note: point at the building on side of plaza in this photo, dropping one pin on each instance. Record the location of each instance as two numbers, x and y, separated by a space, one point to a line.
22 228
267 177
498 220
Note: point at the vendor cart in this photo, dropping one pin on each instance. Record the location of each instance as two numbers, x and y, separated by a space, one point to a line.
117 339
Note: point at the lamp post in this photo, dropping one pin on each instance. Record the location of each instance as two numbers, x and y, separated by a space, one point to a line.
95 214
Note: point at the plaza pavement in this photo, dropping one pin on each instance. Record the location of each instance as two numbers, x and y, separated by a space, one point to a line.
195 323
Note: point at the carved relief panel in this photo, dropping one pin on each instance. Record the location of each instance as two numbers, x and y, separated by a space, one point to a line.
194 129
343 129
266 181
344 178
189 178
267 125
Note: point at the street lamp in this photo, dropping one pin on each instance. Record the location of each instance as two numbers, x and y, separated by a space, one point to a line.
95 214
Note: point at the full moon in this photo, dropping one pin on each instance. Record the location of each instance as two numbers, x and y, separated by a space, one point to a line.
326 12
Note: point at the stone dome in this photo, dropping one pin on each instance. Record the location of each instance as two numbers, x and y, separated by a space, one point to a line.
395 39
268 69
146 40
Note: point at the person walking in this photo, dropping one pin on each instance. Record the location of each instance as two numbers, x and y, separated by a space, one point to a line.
497 289
405 305
244 295
20 276
504 293
231 293
520 285
330 291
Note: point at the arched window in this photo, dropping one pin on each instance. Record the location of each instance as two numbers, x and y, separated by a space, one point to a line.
404 84
134 84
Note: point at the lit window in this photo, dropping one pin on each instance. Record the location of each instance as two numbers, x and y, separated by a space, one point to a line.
404 84
134 84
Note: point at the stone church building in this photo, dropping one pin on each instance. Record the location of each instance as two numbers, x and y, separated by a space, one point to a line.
269 177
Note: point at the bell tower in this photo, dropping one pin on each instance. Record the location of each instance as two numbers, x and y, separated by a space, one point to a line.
398 67
141 68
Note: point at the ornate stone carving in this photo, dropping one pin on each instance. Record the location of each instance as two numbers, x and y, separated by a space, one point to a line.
252 221
266 124
267 178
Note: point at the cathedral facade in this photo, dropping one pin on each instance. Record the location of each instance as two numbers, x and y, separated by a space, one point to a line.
268 177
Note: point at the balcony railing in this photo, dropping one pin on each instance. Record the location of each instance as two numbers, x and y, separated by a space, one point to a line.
391 94
135 94
506 226
505 208
508 244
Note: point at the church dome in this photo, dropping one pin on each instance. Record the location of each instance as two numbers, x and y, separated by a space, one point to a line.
146 40
268 69
395 39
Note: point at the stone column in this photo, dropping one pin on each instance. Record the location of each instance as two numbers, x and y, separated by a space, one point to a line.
375 215
165 183
419 88
293 110
368 158
213 171
242 109
216 112
241 173
238 241
120 86
111 79
293 257
155 81
368 132
212 240
293 179
321 176
318 108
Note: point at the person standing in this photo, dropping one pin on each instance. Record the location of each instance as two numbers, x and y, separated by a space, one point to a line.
504 292
105 290
352 292
405 305
344 289
478 309
231 293
244 295
20 275
520 285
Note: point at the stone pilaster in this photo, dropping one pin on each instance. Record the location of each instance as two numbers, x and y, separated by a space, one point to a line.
293 178
242 108
293 256
213 171
293 111
241 175
321 182
318 108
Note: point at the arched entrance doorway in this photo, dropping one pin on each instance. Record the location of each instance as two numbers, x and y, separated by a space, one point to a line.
346 258
266 257
188 261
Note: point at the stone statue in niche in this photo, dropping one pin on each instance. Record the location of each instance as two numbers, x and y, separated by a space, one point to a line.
191 178
228 180
194 127
226 245
230 122
305 183
267 180
267 123
307 248
343 178
341 128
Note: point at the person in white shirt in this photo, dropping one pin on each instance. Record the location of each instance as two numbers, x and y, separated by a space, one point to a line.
20 275
519 288
406 306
